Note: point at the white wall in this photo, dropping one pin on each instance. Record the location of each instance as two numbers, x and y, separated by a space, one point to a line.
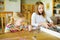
49 11
13 6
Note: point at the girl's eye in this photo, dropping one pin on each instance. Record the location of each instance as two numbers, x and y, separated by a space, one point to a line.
40 8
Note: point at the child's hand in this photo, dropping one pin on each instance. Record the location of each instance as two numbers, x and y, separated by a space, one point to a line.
45 24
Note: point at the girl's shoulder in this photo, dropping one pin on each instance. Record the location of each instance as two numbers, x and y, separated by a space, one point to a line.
34 14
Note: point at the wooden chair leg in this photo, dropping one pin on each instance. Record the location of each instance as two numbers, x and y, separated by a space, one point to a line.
2 24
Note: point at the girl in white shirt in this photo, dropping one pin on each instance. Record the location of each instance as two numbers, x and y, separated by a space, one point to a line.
39 18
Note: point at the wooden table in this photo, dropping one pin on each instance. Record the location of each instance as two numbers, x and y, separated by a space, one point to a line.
28 35
3 19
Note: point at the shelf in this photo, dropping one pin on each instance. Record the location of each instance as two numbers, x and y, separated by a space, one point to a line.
1 0
57 1
1 5
56 7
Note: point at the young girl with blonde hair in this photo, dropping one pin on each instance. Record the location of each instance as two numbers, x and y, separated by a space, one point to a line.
39 17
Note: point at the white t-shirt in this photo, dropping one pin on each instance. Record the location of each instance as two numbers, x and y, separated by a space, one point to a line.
36 19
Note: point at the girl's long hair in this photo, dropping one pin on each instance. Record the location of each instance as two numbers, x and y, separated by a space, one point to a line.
36 8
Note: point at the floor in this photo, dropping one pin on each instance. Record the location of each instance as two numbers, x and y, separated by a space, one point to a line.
24 35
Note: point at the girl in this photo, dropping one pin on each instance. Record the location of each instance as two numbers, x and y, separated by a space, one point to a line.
39 18
19 20
15 23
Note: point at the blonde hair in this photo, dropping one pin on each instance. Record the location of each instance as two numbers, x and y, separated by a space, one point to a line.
36 8
11 20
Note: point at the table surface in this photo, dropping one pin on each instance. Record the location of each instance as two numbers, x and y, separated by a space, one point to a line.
29 35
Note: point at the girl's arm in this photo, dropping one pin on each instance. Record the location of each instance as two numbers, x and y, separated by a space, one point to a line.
33 20
50 22
45 24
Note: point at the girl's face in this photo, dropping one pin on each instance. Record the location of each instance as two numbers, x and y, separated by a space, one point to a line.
40 8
